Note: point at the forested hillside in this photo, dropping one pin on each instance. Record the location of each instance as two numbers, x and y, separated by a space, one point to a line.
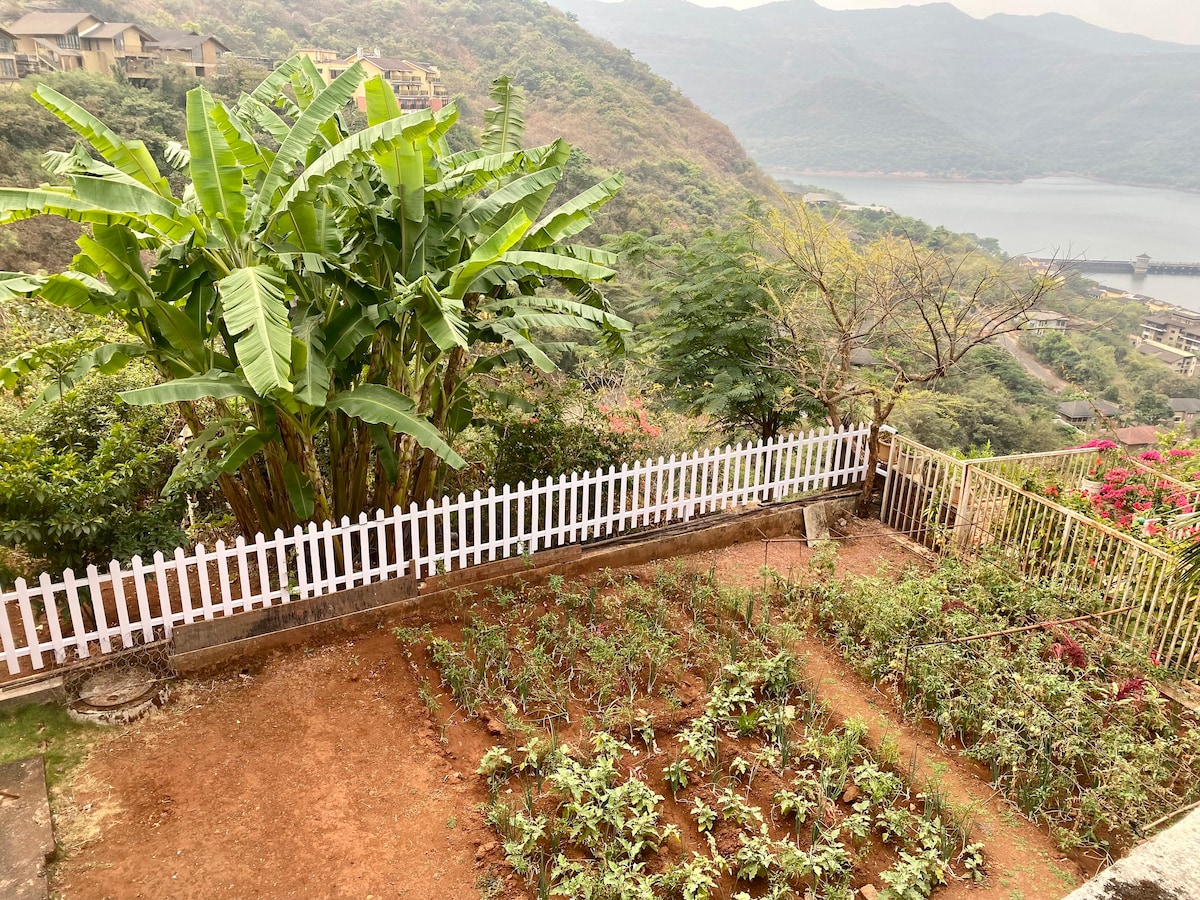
924 89
681 166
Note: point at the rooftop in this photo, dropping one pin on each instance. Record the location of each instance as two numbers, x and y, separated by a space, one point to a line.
183 40
389 62
113 30
1184 404
36 23
1162 351
1137 436
1084 409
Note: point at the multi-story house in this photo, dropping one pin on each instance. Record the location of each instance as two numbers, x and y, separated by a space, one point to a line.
51 42
1178 329
1043 321
1185 411
1180 361
200 53
416 86
119 45
8 58
64 42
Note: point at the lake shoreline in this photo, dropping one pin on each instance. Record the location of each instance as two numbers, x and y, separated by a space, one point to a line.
784 172
1055 215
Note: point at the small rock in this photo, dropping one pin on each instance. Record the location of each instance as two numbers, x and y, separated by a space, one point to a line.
869 891
851 793
484 849
494 726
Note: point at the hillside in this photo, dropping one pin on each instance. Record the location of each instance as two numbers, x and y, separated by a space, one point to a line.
681 166
924 88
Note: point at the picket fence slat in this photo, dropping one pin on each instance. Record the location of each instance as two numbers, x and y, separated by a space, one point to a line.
145 601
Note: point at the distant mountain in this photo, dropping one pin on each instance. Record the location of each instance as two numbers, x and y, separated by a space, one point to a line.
1084 35
682 167
924 89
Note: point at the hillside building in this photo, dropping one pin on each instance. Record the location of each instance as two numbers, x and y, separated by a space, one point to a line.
71 41
1179 329
416 86
1084 413
1185 410
200 53
8 58
51 42
1044 321
121 45
1179 361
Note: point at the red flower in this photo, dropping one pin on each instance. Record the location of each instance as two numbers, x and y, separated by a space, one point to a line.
1132 688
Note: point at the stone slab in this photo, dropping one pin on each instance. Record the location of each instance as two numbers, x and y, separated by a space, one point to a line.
1166 867
823 517
26 834
35 689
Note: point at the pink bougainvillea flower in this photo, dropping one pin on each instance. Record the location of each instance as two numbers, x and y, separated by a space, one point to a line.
1151 456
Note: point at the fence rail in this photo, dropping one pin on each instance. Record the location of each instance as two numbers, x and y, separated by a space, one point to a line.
68 617
973 507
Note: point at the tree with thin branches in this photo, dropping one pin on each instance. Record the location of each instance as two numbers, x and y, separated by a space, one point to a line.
866 320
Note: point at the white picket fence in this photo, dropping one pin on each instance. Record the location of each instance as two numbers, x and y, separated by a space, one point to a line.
73 617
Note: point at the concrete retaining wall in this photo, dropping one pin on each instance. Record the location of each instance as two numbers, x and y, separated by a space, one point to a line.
1167 867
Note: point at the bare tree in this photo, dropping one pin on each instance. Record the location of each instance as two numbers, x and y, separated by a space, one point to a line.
867 319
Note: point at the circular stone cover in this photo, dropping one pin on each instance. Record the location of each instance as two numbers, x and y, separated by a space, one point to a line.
118 695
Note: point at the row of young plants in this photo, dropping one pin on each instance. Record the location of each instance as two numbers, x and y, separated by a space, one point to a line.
1065 716
659 743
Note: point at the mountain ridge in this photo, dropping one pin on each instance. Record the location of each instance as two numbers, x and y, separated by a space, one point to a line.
996 90
682 167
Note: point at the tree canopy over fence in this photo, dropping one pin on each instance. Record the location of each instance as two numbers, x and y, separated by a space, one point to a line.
317 300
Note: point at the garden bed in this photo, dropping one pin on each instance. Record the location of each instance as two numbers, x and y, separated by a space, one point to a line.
1063 715
352 770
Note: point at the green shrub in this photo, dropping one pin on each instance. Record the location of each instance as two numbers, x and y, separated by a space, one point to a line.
80 482
1065 717
553 442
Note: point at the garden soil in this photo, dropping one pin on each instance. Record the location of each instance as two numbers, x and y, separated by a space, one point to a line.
319 773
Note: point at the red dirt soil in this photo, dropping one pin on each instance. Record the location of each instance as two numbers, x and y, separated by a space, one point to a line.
320 774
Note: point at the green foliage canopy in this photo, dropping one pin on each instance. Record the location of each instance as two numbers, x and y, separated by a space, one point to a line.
713 344
320 303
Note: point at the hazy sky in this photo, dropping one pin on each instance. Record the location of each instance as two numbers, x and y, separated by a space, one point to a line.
1167 20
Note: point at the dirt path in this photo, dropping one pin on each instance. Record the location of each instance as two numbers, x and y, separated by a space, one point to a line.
1023 861
318 775
1032 366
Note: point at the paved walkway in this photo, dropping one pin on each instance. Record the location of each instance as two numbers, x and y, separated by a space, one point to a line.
1032 366
26 838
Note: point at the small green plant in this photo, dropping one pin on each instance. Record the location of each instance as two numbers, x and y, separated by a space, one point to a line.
676 775
705 815
496 766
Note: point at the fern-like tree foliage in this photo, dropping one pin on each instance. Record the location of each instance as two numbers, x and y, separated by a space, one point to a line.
321 304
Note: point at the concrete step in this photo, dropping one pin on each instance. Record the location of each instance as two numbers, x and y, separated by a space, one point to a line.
26 834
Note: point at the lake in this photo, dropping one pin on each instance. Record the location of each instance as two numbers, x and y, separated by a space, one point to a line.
1043 216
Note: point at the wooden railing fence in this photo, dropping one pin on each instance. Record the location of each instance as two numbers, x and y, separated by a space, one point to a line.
977 507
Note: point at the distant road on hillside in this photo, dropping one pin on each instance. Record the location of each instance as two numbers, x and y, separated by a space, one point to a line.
1032 366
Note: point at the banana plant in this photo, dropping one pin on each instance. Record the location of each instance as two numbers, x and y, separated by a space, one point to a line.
321 304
